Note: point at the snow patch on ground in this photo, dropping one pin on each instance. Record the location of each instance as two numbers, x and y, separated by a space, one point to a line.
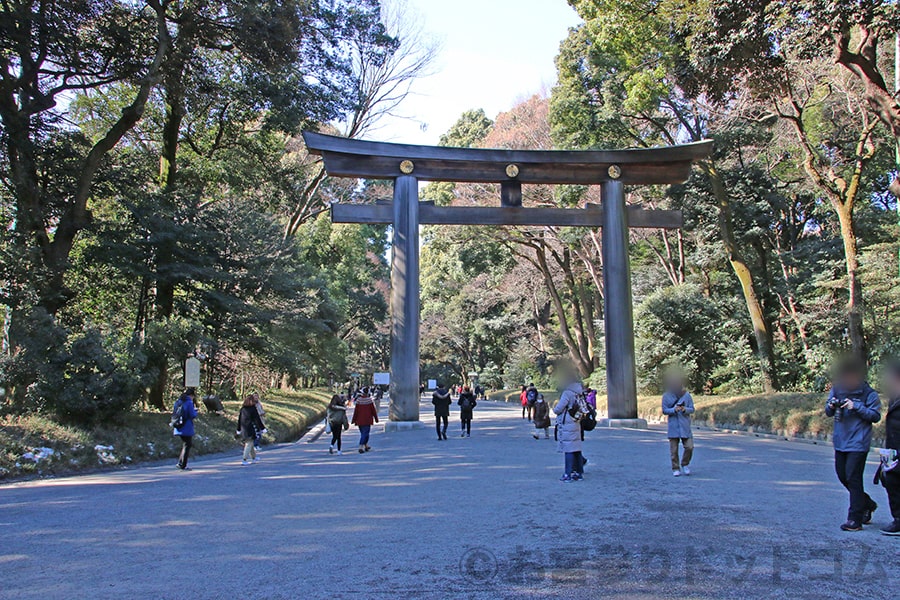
105 454
39 454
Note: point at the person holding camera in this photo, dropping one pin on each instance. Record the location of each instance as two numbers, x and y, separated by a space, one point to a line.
889 471
855 407
678 406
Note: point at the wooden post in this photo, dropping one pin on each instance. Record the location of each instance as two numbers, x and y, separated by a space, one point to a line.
617 317
405 302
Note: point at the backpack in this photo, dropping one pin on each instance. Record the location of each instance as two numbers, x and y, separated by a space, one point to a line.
531 396
177 420
465 403
582 412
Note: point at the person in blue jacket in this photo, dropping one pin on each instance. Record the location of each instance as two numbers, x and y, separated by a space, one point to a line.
678 406
855 407
186 432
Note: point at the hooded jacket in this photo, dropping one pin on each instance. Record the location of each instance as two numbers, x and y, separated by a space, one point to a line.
364 414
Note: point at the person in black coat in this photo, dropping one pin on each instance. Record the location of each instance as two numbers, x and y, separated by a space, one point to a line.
249 424
467 402
441 400
889 472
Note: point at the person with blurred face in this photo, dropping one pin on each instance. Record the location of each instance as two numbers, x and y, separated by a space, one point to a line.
855 407
889 471
678 406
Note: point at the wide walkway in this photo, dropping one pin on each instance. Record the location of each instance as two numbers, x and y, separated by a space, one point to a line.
483 517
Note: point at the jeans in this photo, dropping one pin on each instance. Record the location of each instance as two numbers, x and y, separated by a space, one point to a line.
441 432
849 467
364 434
466 423
574 463
336 435
186 442
688 444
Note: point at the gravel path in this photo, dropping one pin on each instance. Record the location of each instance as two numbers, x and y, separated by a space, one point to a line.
483 517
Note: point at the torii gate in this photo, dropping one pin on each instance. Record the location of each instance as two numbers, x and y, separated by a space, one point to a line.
406 165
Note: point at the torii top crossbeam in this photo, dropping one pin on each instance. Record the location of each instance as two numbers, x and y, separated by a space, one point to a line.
380 160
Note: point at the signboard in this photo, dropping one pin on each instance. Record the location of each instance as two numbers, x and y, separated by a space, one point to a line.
192 373
381 379
432 384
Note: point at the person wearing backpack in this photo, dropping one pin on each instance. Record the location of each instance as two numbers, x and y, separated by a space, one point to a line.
337 422
678 406
467 403
364 415
531 395
441 400
249 424
568 431
541 418
183 414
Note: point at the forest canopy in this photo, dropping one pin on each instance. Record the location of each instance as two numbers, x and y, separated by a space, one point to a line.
158 201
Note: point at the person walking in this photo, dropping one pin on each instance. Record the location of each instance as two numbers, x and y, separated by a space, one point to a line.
678 406
568 432
855 407
441 400
257 443
336 415
523 398
467 403
531 395
889 470
249 425
186 430
364 415
541 418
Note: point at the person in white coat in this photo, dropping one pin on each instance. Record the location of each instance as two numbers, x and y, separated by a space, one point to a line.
568 432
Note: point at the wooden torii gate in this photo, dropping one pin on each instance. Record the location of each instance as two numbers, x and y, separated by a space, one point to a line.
406 165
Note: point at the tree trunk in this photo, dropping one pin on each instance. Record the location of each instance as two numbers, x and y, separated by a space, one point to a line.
761 329
854 286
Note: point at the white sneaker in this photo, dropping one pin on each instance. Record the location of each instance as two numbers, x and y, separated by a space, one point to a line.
340 453
244 463
676 473
256 460
686 470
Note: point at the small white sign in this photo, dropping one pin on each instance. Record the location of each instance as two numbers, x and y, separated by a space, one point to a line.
381 379
432 384
192 373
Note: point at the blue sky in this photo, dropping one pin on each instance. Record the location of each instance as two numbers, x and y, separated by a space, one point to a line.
493 52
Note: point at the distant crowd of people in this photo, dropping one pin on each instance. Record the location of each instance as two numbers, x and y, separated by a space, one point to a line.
852 403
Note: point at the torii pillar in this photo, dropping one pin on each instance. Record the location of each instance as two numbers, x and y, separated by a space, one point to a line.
405 303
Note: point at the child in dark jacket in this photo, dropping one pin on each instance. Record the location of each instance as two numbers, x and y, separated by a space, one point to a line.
889 471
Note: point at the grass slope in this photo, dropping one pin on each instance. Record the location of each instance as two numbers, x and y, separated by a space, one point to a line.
141 436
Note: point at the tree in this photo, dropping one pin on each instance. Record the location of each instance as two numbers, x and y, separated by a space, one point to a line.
383 70
622 83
